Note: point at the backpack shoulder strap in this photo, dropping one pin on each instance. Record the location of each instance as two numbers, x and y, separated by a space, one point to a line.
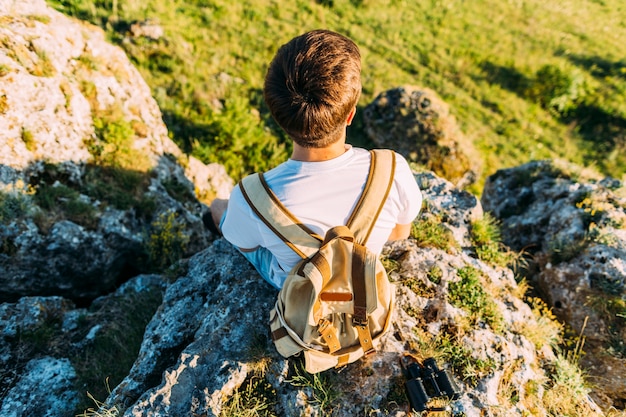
370 204
278 218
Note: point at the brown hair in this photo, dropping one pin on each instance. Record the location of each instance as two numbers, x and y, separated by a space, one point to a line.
312 85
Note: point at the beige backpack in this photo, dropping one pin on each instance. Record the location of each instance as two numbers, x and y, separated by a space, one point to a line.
337 302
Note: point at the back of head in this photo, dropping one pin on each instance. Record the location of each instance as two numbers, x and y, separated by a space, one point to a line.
312 85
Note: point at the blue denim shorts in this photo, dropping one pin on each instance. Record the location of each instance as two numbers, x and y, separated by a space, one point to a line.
261 258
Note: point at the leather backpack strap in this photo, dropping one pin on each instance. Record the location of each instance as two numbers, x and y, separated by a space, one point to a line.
278 218
370 204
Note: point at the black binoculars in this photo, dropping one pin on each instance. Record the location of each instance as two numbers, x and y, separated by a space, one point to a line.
426 382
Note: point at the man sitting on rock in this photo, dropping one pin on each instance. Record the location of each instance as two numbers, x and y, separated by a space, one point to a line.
312 88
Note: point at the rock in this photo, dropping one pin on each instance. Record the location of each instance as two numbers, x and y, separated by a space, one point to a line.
46 387
456 207
102 192
416 123
573 225
36 378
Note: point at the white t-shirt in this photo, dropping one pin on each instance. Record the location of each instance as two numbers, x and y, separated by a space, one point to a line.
321 195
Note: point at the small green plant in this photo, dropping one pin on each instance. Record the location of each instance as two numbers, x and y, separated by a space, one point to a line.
89 62
167 242
545 330
419 287
391 265
469 294
114 144
561 250
591 212
611 307
487 241
39 18
178 191
255 398
120 188
429 232
567 392
28 139
101 409
447 347
4 70
322 387
435 274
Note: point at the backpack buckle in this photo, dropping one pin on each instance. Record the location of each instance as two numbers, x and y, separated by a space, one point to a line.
359 318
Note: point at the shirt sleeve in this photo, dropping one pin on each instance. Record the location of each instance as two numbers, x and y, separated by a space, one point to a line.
240 226
408 190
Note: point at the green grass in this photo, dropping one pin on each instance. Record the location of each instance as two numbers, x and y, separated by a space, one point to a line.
255 398
322 387
487 240
552 85
469 294
429 232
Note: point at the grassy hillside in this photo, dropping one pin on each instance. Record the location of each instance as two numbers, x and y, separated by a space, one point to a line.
526 79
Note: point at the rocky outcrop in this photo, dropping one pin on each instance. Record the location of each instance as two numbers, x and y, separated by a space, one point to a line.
209 339
93 188
417 123
575 228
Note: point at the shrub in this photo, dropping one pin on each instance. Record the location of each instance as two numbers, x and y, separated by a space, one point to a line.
237 138
557 90
61 201
14 203
167 242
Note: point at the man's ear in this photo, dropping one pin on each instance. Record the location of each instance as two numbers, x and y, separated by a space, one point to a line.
351 116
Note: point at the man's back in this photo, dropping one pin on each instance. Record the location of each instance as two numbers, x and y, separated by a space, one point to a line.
321 195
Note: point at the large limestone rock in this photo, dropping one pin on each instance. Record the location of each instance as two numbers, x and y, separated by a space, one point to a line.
574 225
417 123
95 189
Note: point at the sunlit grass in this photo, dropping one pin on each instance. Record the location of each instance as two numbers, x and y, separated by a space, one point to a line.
484 58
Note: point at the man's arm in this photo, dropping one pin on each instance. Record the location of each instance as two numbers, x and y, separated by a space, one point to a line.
401 231
218 207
